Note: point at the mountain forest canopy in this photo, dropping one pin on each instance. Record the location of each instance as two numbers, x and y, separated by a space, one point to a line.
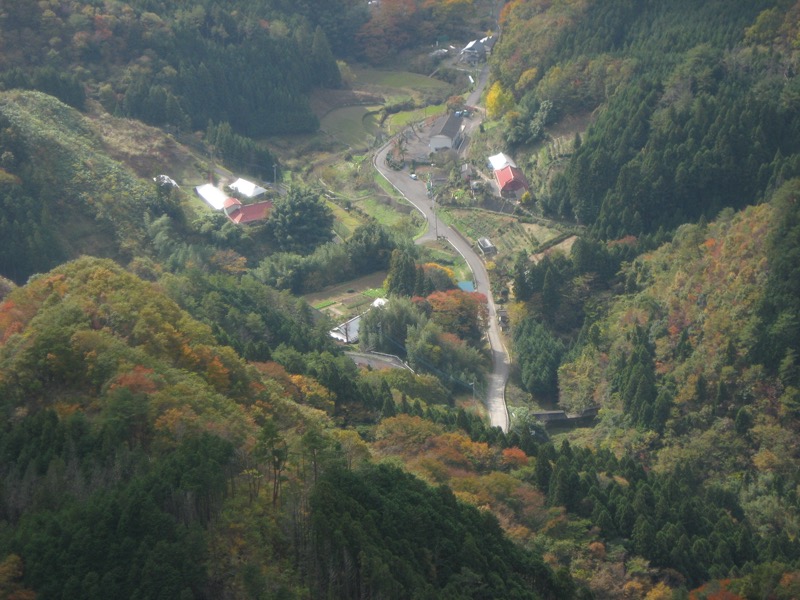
174 65
175 422
688 118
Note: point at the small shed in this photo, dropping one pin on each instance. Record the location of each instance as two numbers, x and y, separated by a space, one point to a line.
165 181
502 318
486 247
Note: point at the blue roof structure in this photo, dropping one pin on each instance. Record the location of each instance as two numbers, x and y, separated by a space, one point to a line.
466 286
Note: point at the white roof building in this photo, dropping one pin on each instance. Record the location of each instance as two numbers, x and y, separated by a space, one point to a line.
347 332
247 188
501 161
214 196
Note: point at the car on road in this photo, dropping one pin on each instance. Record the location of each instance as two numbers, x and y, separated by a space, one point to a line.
414 176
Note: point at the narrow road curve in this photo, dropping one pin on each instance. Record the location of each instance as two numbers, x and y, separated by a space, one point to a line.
415 192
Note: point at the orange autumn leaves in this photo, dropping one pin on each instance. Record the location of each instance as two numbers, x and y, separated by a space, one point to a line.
480 474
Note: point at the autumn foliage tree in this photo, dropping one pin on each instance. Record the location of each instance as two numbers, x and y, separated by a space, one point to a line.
461 313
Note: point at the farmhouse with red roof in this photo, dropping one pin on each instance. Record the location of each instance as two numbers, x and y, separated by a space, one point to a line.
241 214
511 181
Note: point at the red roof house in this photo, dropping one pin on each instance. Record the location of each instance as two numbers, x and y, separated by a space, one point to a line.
240 213
511 180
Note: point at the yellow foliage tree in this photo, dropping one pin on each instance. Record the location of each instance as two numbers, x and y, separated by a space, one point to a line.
498 101
527 79
660 592
313 393
11 578
353 448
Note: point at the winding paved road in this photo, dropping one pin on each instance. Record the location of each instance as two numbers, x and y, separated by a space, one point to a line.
415 192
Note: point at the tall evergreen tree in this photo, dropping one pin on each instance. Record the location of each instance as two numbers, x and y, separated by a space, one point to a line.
323 64
300 221
402 276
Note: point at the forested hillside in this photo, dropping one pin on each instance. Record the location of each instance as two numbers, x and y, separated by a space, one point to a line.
140 459
695 105
696 376
60 192
173 65
175 423
675 313
250 64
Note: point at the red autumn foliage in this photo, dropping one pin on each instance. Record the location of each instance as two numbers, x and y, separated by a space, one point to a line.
514 457
137 380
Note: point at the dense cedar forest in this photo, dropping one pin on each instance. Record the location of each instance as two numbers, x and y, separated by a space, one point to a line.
689 118
175 422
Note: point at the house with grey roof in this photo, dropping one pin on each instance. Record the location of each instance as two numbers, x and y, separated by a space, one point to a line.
447 133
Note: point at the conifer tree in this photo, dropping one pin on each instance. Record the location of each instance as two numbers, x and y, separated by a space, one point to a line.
402 277
326 72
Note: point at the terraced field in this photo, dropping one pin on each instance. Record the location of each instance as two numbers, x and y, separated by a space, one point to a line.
507 234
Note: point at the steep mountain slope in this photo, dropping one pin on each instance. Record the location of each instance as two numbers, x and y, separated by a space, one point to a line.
138 458
169 64
682 364
694 106
61 193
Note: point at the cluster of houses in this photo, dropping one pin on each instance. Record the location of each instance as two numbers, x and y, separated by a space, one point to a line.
238 213
448 134
477 50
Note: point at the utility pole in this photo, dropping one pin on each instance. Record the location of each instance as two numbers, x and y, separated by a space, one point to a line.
435 220
275 173
432 194
213 169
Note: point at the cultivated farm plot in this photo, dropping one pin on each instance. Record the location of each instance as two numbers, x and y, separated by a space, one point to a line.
357 126
346 300
540 233
345 221
507 234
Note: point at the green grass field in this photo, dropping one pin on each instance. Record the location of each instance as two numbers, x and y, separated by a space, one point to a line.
353 126
375 293
347 219
398 80
385 215
399 120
